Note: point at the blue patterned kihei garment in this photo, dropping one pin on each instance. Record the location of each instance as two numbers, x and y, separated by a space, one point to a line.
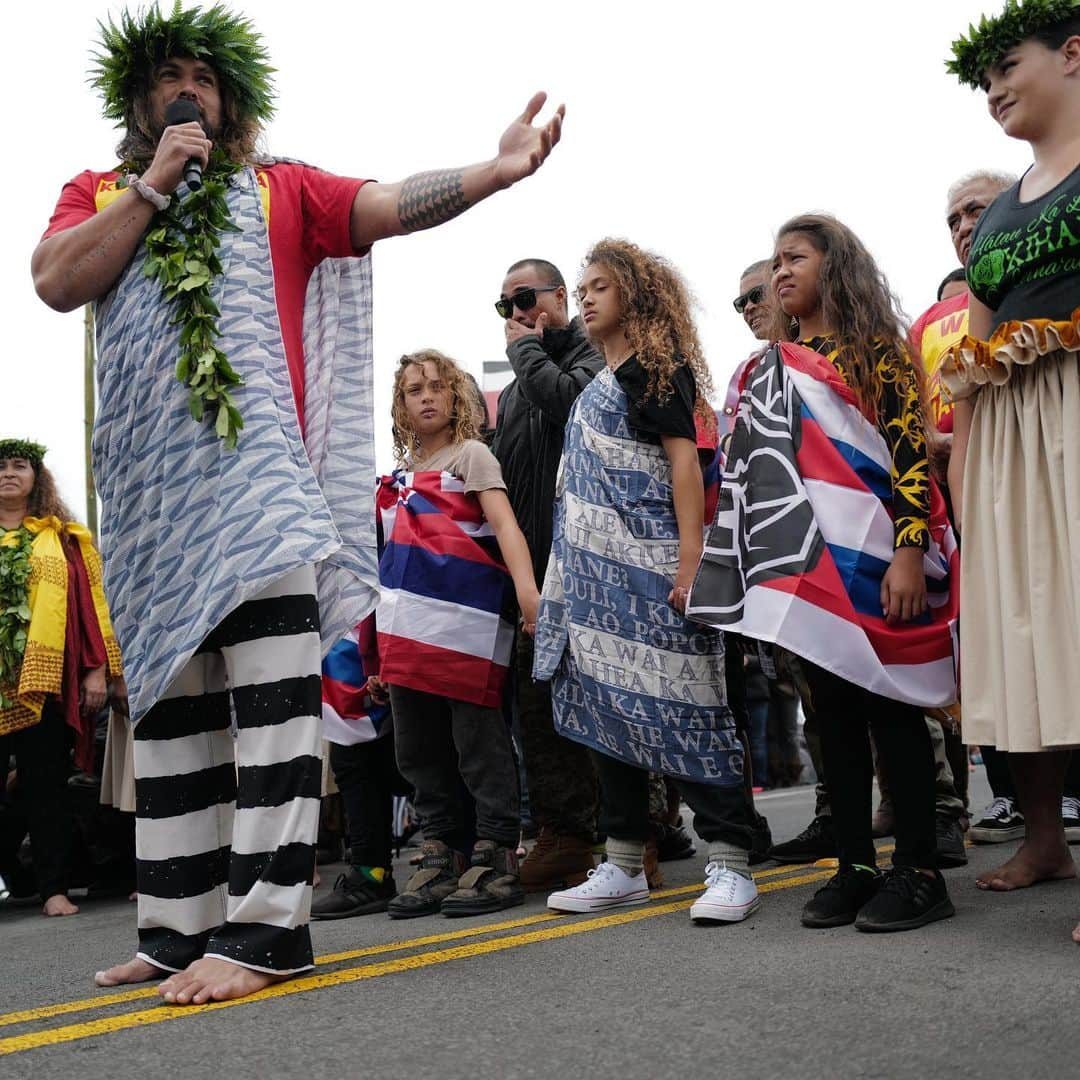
190 529
630 677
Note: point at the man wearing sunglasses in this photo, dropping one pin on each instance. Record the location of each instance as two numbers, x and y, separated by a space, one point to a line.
552 361
750 304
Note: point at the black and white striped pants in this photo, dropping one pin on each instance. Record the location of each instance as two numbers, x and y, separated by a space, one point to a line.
226 827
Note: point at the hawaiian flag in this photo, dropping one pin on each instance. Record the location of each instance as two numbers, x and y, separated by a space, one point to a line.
349 714
445 620
804 535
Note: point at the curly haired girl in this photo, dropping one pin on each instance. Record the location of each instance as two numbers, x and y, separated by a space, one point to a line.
448 731
631 678
833 301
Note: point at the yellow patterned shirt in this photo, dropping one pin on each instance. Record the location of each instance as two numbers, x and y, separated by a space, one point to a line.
900 420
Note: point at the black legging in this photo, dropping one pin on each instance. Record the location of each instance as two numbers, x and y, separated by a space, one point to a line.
43 764
847 714
368 779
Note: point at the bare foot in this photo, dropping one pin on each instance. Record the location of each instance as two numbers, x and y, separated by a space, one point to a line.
1076 934
1025 869
134 971
211 979
59 905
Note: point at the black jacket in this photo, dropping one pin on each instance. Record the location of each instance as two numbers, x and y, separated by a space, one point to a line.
533 410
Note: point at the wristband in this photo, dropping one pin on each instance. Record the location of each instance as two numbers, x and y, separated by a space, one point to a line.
138 185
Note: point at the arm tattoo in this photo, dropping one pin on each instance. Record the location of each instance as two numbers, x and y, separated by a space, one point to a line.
430 198
101 252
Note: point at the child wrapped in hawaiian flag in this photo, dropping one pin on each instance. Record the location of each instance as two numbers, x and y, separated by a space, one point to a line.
832 541
453 558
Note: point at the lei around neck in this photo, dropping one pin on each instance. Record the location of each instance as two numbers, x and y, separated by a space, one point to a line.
182 256
15 550
987 43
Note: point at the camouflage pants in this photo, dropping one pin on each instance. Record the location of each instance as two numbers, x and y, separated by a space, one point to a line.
559 772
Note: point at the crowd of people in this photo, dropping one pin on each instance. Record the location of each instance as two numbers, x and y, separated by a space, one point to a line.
616 599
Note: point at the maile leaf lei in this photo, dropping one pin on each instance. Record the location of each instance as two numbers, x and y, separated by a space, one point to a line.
182 255
987 43
15 549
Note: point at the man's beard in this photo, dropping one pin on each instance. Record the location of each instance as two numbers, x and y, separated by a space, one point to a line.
159 128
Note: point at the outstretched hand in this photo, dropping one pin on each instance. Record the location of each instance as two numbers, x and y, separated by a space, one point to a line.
524 148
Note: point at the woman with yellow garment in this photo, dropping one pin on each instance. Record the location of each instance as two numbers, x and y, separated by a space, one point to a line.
57 653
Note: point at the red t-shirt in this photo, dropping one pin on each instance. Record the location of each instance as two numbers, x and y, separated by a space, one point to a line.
932 334
308 211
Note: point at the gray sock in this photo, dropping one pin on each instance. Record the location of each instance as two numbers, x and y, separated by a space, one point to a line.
627 855
734 858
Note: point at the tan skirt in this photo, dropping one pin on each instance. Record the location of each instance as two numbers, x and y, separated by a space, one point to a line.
1020 560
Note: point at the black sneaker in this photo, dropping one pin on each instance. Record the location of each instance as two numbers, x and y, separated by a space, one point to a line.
435 879
354 894
492 883
673 842
1070 817
816 841
907 899
840 899
950 842
1001 821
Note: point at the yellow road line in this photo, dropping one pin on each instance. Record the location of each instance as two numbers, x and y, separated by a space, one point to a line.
343 976
45 1012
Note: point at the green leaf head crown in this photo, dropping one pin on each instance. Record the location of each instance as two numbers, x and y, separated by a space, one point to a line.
130 50
22 448
987 43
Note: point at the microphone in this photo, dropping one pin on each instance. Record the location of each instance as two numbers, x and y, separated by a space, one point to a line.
183 111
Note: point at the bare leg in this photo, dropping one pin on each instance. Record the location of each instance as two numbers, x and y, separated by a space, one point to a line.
59 905
1044 854
213 979
134 971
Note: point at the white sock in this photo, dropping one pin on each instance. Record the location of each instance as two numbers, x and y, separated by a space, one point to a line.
627 855
734 858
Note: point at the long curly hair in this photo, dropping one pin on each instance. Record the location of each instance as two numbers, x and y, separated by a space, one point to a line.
656 306
857 305
464 414
44 500
237 136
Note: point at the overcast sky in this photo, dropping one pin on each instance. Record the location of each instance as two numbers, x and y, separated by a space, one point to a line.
691 129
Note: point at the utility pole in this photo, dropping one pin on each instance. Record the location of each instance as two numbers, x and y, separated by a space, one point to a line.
89 404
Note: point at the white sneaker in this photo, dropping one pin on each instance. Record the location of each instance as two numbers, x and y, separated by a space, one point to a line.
728 896
608 886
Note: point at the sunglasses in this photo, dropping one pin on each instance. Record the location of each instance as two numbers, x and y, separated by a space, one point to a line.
523 300
754 296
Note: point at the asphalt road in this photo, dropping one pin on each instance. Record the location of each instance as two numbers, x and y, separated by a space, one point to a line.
643 993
